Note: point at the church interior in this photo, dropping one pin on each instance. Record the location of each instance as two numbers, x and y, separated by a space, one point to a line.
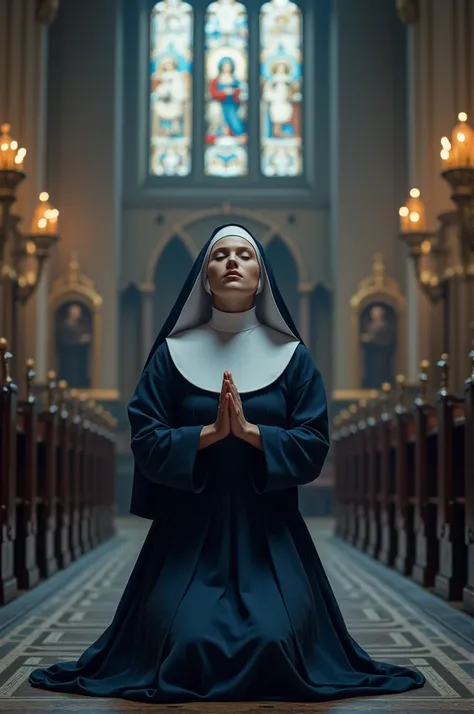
340 134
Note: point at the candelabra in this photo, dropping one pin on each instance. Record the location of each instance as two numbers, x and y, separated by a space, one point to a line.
18 251
457 157
426 248
444 266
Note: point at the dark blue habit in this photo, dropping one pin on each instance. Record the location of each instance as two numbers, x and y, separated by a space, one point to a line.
228 599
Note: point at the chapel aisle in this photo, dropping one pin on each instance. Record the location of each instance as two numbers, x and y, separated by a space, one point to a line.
390 616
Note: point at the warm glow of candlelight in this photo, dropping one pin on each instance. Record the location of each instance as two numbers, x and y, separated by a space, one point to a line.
11 156
45 217
459 152
412 214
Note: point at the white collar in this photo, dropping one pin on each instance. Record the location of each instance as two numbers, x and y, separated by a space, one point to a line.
233 321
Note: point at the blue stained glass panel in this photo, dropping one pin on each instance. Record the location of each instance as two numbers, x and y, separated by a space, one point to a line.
171 87
226 91
281 88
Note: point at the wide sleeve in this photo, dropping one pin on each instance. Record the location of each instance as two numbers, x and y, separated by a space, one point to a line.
295 456
167 456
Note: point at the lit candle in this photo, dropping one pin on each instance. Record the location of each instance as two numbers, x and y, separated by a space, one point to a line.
45 217
412 214
11 155
459 152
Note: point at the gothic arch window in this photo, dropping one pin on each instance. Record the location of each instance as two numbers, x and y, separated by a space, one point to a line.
226 90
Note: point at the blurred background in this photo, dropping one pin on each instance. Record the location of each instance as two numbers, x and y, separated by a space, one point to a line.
131 129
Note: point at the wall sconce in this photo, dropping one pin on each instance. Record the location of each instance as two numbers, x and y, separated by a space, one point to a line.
457 157
425 247
44 228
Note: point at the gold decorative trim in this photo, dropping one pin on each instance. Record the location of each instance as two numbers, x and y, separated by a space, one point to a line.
408 11
378 286
345 395
75 285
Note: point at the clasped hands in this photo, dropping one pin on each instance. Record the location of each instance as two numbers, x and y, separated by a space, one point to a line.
230 414
230 419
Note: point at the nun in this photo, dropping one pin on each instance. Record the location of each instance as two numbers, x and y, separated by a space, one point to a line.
228 599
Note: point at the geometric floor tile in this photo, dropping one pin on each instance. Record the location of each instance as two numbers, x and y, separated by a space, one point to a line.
392 618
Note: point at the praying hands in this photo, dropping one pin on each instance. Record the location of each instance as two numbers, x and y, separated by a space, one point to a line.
230 418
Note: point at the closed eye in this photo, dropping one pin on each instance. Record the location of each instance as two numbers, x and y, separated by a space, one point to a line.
244 257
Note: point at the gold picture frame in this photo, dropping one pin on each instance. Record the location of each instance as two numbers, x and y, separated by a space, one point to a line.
75 285
377 287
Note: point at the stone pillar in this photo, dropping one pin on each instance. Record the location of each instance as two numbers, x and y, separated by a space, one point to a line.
367 148
23 93
304 291
440 72
147 291
85 133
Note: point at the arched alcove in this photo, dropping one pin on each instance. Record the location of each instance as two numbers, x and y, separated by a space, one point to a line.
286 274
129 340
171 270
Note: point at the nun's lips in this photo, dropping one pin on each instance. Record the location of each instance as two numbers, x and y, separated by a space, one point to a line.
233 273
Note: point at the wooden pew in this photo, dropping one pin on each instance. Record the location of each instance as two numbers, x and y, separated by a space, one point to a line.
452 571
47 470
26 566
373 483
353 464
64 484
425 566
8 415
468 590
403 437
388 545
75 468
362 505
412 485
57 478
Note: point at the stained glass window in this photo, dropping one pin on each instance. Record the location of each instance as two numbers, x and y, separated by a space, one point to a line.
281 93
171 65
226 91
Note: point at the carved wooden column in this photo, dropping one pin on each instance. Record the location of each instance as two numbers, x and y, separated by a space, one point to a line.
147 291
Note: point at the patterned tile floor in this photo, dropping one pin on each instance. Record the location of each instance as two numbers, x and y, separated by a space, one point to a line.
390 616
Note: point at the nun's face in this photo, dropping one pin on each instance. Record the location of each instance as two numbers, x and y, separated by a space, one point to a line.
233 271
